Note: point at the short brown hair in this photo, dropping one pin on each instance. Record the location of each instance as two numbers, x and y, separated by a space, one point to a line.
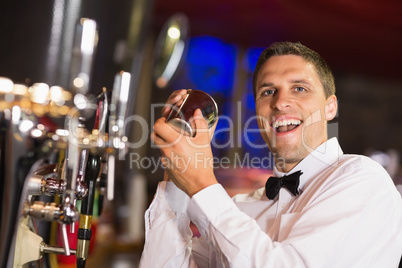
288 48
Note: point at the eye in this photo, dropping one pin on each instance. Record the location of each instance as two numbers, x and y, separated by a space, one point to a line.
268 92
300 89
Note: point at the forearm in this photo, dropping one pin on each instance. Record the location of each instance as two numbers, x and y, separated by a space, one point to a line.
168 235
236 238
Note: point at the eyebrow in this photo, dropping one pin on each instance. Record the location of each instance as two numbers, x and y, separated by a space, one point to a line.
261 86
296 81
302 81
265 85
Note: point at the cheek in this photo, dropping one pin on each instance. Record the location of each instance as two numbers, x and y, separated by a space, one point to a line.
314 115
314 122
315 130
262 109
263 126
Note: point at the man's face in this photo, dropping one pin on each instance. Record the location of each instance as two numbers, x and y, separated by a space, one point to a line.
292 108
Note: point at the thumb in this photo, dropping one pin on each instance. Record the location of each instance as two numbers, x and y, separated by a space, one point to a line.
201 125
212 129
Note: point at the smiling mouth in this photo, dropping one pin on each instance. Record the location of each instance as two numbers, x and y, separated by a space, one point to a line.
286 125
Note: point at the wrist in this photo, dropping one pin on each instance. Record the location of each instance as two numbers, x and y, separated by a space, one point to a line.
200 187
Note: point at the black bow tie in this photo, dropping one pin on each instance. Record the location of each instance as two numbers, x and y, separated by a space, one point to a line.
274 184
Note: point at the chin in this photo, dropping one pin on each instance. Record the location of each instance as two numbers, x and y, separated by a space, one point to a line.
290 154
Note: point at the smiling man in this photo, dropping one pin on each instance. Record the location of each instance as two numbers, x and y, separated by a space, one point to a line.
322 208
293 104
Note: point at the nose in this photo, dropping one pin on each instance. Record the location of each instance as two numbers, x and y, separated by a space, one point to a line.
281 100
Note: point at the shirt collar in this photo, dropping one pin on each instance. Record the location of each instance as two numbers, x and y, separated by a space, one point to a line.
324 156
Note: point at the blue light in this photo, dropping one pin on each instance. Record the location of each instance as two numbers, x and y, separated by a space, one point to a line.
252 56
211 65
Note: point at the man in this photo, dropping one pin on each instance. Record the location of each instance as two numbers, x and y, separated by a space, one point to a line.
344 211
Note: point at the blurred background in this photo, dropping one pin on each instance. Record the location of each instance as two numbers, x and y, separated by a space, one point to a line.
361 41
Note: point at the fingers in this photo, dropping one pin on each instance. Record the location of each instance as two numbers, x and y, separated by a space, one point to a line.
201 125
161 131
165 134
176 98
212 129
155 139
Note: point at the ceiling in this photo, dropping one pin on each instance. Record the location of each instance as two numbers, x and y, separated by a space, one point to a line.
363 37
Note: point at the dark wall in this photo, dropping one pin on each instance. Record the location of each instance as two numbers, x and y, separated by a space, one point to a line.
32 49
369 113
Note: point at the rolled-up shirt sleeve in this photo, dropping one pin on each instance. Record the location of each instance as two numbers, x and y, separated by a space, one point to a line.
168 235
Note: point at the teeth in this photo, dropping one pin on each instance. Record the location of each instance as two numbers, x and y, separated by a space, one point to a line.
286 122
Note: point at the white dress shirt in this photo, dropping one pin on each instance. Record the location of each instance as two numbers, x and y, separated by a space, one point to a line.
348 214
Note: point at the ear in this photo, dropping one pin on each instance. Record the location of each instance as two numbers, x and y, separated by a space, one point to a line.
331 108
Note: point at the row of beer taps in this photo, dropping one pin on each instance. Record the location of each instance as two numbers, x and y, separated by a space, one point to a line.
74 159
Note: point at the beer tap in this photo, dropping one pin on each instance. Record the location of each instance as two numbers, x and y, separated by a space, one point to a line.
91 175
83 158
81 188
69 175
101 128
84 232
117 138
85 43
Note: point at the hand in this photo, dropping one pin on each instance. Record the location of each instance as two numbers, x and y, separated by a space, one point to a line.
175 99
188 160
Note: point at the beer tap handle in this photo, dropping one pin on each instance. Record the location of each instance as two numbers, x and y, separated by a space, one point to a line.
85 43
110 177
84 232
102 112
81 188
91 175
117 138
118 111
